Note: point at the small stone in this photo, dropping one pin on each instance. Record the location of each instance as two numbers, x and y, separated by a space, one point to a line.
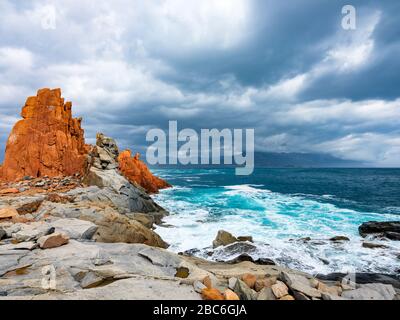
280 289
288 297
266 294
232 283
249 279
52 241
230 295
211 294
8 212
370 245
339 238
9 191
199 286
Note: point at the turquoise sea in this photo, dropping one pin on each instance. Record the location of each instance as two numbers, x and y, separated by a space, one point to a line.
280 206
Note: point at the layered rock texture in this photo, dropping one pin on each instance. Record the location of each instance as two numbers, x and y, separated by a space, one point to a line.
48 141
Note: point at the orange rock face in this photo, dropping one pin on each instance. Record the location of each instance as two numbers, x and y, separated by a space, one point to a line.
137 172
46 142
211 294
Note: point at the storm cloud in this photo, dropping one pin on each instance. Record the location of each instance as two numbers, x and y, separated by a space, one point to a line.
289 70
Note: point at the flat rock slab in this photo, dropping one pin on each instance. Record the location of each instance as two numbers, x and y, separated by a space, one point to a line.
75 228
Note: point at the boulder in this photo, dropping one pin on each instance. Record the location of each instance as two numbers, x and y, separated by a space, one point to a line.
264 283
371 245
266 294
279 289
339 238
223 239
211 294
138 173
114 227
299 283
230 295
48 141
371 292
386 229
53 240
249 279
246 257
114 188
146 220
244 292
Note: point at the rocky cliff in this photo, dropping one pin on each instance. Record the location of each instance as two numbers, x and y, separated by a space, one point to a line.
137 172
47 141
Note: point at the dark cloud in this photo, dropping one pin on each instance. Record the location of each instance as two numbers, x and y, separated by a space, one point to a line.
287 69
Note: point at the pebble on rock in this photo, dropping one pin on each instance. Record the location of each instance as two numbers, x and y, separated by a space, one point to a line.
53 240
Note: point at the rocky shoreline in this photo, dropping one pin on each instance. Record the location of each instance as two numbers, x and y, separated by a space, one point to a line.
85 230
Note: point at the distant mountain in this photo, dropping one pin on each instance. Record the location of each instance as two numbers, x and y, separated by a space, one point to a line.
295 160
287 160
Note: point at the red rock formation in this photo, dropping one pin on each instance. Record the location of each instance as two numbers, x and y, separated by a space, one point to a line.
137 172
47 141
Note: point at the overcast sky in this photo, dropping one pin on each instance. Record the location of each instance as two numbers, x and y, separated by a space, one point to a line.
286 68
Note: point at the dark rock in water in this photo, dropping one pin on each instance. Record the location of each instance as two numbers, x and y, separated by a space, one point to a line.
370 245
245 238
392 235
190 252
238 248
224 238
241 258
364 278
339 238
386 229
324 261
246 257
